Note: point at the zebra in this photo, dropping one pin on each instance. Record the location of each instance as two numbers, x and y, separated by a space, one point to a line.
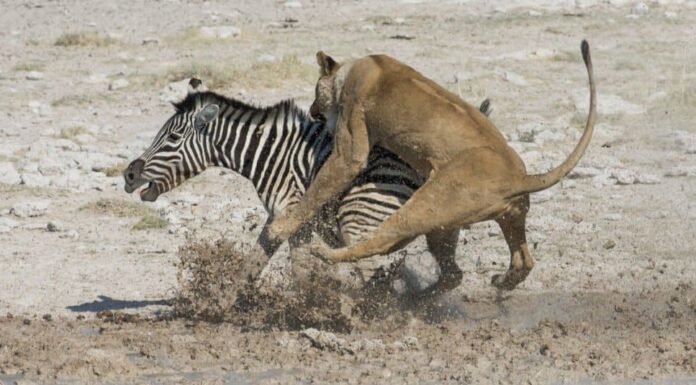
279 148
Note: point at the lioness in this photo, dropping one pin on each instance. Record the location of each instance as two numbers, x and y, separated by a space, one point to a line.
471 173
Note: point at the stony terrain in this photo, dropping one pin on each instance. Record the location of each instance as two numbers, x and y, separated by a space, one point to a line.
85 86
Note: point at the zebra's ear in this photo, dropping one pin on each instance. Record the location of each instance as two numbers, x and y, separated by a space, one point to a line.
206 115
326 63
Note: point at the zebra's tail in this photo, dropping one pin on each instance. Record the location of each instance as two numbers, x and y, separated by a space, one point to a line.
538 182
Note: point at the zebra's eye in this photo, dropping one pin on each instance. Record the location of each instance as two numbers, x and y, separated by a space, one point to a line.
173 137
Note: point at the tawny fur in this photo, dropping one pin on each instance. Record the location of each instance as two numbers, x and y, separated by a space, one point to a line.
471 173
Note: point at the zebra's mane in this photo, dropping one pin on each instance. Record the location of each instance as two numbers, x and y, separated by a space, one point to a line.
198 99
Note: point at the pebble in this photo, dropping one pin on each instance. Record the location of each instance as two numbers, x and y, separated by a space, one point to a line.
54 227
514 78
118 84
28 209
640 9
610 244
40 108
34 75
220 32
584 172
35 180
7 224
150 40
8 174
292 4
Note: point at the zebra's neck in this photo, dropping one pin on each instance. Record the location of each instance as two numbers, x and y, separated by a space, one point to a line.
278 148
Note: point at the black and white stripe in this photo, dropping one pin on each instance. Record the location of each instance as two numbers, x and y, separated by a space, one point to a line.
279 149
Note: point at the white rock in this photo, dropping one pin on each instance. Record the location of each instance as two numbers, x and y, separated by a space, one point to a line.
655 96
534 13
292 4
220 32
118 84
514 78
644 178
607 104
8 174
96 78
640 8
35 180
7 223
584 172
605 132
681 170
326 341
671 15
29 209
40 108
34 75
266 58
624 176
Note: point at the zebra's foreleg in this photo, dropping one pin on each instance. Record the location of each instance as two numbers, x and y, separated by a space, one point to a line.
351 150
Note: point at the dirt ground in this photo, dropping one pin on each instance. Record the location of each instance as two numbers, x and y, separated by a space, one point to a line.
88 273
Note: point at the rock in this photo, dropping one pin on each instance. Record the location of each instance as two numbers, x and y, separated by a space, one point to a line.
681 170
266 58
7 224
605 132
220 32
514 78
671 15
8 174
34 75
584 172
96 78
607 104
655 96
35 180
70 234
623 176
640 8
150 40
685 141
610 244
534 13
54 227
292 4
118 84
39 108
647 179
327 341
29 209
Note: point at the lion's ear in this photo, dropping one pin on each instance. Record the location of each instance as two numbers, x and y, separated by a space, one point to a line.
326 63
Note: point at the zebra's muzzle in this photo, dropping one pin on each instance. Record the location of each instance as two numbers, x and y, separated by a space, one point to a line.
132 176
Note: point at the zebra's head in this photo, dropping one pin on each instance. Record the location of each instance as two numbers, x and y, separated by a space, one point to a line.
178 151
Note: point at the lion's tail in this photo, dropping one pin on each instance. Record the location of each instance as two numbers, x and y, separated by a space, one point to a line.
538 182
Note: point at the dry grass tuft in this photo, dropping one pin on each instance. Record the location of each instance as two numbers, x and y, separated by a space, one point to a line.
149 218
222 74
29 66
115 170
83 38
71 133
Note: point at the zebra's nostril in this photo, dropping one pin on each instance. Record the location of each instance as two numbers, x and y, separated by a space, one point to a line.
131 176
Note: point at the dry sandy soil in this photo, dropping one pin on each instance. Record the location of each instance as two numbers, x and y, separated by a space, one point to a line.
85 88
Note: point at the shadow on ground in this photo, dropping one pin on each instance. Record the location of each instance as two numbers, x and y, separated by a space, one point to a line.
107 303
